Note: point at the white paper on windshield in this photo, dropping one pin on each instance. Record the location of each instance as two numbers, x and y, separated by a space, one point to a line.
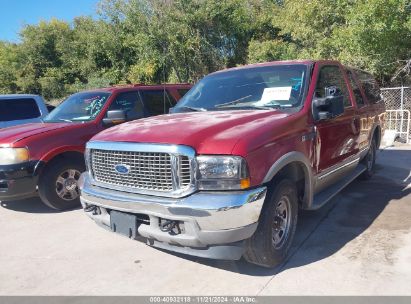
275 94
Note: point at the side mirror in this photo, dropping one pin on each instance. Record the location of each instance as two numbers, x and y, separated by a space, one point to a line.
114 117
330 106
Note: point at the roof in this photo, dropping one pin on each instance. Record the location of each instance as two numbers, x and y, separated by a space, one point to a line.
270 63
6 96
141 86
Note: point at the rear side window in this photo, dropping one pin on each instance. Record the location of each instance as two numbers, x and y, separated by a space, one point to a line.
370 86
331 76
182 92
18 109
356 89
157 102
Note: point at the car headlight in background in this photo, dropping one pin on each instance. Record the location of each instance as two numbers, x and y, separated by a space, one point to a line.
12 156
222 173
87 156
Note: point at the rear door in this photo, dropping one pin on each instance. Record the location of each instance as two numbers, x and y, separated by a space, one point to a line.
157 102
336 137
15 111
375 106
361 118
177 92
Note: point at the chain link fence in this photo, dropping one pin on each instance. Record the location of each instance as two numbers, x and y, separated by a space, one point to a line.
398 99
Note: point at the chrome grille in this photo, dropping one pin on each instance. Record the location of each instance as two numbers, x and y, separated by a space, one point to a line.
184 171
151 171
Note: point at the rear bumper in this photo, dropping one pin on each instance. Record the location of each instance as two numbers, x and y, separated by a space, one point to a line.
215 223
18 181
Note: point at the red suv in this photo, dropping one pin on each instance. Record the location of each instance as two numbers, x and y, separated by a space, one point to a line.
48 156
259 142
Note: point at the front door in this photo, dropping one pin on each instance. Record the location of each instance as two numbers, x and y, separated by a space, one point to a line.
337 142
130 103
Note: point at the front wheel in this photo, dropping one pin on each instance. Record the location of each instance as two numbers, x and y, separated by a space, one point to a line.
271 242
58 185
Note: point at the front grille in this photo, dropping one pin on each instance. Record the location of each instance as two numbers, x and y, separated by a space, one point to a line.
149 171
184 171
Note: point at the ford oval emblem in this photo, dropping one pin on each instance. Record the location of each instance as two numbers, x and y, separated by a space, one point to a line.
122 169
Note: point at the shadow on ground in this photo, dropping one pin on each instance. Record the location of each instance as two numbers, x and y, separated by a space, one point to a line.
342 220
329 229
31 205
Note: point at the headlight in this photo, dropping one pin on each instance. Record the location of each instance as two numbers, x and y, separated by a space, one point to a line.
222 173
12 156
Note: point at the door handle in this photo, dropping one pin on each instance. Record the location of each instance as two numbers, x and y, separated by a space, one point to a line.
356 126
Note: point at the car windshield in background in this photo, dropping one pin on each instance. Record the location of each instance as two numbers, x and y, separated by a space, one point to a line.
268 87
79 107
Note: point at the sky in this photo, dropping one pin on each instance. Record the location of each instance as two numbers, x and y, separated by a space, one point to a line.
16 13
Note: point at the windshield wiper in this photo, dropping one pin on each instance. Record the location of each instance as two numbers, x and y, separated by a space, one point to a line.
66 120
222 105
252 107
193 108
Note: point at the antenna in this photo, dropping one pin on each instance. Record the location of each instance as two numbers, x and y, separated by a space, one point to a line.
164 80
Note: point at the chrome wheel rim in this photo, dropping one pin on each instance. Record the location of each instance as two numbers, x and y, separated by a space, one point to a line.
67 185
281 222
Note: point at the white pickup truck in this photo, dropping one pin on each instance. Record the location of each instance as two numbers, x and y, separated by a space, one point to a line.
17 109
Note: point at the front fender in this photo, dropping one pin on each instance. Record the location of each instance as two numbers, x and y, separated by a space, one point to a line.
60 150
303 161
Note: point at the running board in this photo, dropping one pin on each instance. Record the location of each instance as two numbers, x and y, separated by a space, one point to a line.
323 197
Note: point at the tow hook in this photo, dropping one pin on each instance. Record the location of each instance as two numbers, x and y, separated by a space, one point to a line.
92 208
170 226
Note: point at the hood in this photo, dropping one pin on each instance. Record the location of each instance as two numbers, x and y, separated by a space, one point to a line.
11 135
213 132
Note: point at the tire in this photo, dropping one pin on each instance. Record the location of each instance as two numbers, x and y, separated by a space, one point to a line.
369 161
266 247
58 187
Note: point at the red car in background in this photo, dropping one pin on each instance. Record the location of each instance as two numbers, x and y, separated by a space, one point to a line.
47 158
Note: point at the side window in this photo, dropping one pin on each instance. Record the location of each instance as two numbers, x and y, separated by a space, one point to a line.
18 109
356 89
182 92
330 76
370 86
157 102
130 103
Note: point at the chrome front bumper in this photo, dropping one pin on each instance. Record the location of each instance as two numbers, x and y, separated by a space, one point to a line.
210 218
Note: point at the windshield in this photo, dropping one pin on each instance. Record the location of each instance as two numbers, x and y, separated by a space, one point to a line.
79 107
268 87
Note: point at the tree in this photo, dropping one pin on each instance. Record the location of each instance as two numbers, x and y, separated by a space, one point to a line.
369 34
377 36
8 68
182 40
155 41
41 54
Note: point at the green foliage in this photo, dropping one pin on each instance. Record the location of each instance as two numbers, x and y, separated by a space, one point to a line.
370 34
376 45
154 41
8 68
271 50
